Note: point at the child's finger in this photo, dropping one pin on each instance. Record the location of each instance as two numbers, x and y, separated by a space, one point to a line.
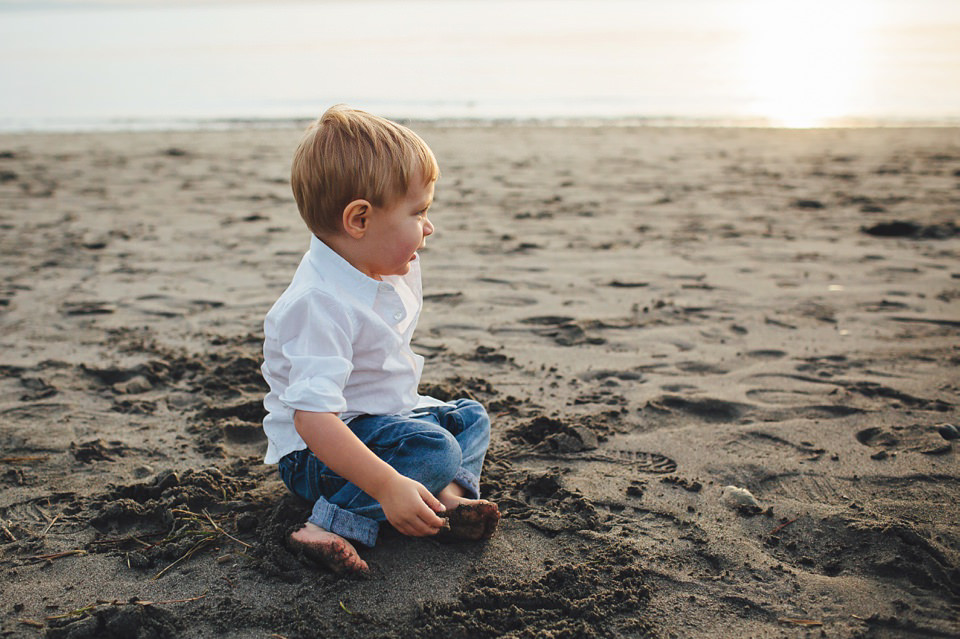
430 500
427 522
420 528
415 523
430 519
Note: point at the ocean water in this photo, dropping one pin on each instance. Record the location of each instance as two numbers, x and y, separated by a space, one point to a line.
137 64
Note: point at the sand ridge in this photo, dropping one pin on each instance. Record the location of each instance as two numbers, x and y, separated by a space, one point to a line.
656 319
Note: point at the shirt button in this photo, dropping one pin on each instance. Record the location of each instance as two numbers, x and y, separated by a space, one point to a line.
397 315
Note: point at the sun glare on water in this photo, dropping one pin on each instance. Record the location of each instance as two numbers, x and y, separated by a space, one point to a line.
804 60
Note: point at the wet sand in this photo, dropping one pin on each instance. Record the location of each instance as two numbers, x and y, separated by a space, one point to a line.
721 365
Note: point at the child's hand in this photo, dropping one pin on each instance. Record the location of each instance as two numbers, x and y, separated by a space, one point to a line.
410 508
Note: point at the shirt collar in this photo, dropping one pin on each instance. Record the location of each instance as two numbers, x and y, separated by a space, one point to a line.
338 271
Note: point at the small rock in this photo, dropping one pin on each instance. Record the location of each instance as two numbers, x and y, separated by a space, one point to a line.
96 242
896 228
142 471
739 497
938 450
133 386
166 479
948 431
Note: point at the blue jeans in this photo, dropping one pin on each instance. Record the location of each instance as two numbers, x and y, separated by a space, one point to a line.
434 446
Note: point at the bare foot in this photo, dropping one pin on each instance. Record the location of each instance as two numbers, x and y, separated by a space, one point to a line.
470 520
327 548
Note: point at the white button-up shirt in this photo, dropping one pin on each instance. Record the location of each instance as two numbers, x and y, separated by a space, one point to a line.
338 341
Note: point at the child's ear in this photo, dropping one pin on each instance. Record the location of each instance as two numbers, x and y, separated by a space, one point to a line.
356 215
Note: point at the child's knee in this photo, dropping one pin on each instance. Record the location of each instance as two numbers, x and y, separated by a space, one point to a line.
440 458
472 426
472 415
448 453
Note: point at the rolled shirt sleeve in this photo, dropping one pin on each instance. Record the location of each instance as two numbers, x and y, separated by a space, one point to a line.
316 383
315 341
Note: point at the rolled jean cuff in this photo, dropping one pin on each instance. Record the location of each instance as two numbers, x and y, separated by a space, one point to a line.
344 523
469 482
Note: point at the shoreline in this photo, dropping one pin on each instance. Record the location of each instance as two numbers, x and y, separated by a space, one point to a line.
120 125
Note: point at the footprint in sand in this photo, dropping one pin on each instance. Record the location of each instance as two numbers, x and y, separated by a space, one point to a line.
886 394
766 354
782 396
608 374
701 368
548 320
94 307
638 460
98 450
170 307
36 411
562 329
801 395
707 408
812 488
512 300
453 299
919 438
759 444
836 544
642 460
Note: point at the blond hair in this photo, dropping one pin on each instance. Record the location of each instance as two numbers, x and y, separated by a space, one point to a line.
348 155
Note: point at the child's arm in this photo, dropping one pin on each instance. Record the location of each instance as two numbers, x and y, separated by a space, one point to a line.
408 505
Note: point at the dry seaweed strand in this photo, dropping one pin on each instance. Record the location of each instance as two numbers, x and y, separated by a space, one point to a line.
86 610
207 535
190 553
782 526
128 538
49 526
58 555
224 532
810 623
33 623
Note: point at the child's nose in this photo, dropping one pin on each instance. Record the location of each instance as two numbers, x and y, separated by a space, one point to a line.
427 228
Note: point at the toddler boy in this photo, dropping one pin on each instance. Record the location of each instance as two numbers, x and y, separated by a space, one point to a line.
345 423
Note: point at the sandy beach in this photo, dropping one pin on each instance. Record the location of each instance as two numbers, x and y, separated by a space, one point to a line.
721 366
